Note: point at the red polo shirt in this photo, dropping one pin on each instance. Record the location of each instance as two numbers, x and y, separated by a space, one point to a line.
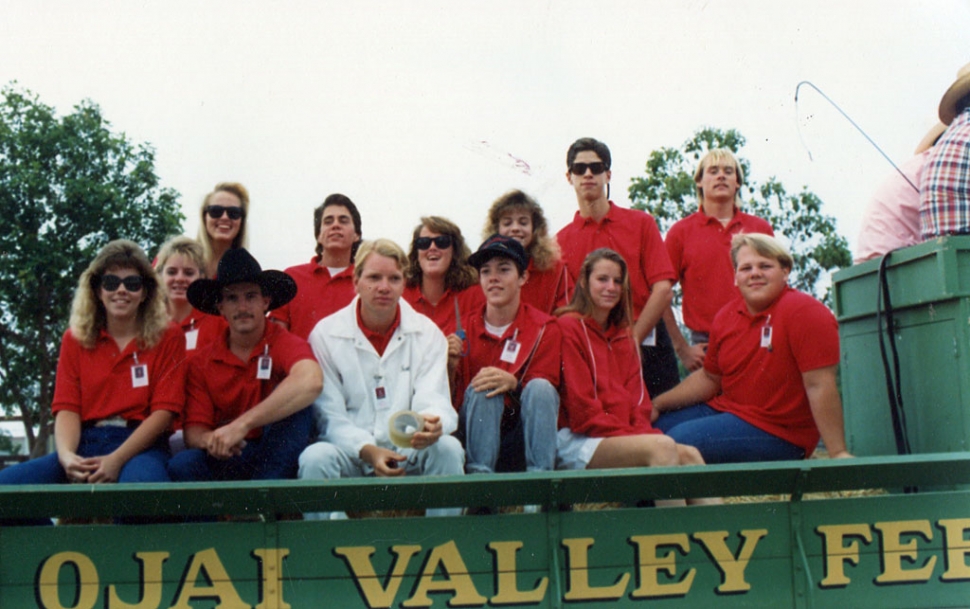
700 252
631 233
546 290
96 383
318 294
210 327
602 390
443 313
764 385
221 386
538 354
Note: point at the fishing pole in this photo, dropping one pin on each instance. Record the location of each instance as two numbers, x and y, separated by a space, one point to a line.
852 122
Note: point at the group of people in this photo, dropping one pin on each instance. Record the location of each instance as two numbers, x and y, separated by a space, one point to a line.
928 195
533 353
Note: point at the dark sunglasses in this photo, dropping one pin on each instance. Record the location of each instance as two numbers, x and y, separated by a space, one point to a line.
442 242
579 169
215 212
133 283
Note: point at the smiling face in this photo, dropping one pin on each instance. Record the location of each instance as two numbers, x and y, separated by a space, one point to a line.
337 232
244 307
380 284
121 304
605 288
501 282
177 275
517 223
761 280
434 261
589 186
223 229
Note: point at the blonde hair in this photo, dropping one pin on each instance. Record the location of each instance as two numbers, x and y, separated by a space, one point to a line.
582 303
716 156
460 274
765 246
543 249
88 316
241 240
181 246
383 247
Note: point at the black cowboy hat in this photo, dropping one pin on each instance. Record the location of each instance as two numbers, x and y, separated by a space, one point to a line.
238 266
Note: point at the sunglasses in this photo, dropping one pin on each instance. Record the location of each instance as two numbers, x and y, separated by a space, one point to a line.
133 283
442 242
215 212
579 169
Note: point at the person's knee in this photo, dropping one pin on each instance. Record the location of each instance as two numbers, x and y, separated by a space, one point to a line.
664 451
320 460
185 465
447 456
689 455
540 394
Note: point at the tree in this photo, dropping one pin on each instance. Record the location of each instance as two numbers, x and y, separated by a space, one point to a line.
667 192
67 186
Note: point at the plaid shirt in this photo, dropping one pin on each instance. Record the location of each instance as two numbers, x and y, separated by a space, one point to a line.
944 205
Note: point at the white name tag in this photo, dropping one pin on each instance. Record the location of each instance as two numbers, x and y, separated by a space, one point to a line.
139 376
191 339
264 368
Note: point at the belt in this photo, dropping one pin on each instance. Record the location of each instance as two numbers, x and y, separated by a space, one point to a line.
111 422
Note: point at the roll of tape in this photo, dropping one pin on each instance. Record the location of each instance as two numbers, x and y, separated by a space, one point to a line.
402 427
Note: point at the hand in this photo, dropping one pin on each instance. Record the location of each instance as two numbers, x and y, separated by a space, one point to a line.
109 467
455 346
495 381
384 460
692 356
76 467
226 441
429 435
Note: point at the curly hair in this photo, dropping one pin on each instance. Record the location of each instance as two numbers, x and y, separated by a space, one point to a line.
543 249
582 302
460 274
88 315
241 240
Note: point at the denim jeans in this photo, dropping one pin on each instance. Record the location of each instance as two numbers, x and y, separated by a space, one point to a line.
272 456
538 419
146 466
722 437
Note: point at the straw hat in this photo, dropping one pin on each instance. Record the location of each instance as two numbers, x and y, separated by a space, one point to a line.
929 140
959 88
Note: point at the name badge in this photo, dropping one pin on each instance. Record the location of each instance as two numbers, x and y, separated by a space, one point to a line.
265 367
766 337
511 351
381 393
650 340
139 376
191 339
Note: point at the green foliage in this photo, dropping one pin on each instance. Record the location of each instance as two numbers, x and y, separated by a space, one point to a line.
67 186
667 192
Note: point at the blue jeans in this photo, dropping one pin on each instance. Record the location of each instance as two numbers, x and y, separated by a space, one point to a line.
722 437
536 426
146 466
272 456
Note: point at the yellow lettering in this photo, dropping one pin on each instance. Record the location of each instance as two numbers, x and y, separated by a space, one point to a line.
151 583
578 588
219 586
732 567
507 592
651 565
358 560
457 580
271 571
87 584
837 554
894 551
957 548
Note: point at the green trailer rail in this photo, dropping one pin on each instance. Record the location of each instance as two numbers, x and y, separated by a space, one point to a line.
893 549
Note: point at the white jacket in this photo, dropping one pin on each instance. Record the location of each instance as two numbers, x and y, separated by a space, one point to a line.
413 372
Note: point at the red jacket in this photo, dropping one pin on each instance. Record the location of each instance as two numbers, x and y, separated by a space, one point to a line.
602 392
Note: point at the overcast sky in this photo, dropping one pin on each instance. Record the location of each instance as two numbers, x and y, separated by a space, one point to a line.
417 108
